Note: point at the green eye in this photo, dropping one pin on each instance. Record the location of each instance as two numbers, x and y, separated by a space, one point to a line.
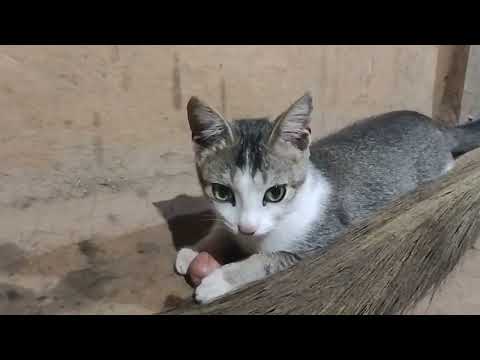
223 193
275 194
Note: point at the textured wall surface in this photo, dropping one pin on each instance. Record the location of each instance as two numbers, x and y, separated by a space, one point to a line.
91 136
100 131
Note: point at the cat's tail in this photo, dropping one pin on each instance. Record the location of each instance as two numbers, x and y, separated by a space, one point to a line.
465 137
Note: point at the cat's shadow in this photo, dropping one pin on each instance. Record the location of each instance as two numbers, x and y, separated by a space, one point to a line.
189 218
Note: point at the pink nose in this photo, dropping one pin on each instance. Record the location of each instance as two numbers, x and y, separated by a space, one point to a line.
247 229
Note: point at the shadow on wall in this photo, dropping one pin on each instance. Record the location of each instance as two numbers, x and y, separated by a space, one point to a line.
189 218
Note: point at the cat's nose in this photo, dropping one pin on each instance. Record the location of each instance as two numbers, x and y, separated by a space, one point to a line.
247 229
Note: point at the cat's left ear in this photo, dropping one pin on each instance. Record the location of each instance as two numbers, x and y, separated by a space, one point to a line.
293 126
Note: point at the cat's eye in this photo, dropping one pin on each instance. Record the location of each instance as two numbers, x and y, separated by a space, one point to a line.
275 194
223 193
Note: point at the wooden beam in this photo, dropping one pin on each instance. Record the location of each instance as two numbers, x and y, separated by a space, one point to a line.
449 83
471 92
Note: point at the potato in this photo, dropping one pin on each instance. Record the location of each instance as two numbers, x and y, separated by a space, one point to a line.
203 265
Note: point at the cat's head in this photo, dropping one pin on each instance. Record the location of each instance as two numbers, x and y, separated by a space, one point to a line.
251 169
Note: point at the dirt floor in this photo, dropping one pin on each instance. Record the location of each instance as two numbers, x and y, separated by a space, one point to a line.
130 274
133 274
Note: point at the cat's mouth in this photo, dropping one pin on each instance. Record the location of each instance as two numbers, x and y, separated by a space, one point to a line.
257 236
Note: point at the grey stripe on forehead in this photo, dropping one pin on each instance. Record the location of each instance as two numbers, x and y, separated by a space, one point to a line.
250 149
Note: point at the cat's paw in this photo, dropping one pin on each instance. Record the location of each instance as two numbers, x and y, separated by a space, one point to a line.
212 287
184 258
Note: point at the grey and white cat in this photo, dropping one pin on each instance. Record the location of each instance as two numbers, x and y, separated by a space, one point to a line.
278 195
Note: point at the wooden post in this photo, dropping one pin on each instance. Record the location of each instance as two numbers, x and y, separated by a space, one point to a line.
449 84
471 93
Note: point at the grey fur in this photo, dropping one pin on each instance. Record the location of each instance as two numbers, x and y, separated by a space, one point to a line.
375 161
251 137
465 137
367 165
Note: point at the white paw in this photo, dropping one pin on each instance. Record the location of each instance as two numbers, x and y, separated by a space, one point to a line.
212 287
184 258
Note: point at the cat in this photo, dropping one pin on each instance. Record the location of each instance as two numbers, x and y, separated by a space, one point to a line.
277 194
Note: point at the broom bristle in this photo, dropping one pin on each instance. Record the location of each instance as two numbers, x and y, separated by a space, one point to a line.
383 266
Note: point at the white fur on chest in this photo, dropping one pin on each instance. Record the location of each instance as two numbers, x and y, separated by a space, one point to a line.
307 208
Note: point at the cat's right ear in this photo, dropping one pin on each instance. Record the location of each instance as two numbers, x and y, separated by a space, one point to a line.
208 127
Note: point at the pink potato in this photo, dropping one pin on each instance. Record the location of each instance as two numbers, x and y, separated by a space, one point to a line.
203 265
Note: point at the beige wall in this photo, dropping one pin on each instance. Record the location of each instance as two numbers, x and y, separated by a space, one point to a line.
90 136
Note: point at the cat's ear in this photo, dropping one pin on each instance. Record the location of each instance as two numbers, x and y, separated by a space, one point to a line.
208 127
293 126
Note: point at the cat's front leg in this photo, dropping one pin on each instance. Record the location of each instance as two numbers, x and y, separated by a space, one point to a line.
184 258
213 243
232 276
